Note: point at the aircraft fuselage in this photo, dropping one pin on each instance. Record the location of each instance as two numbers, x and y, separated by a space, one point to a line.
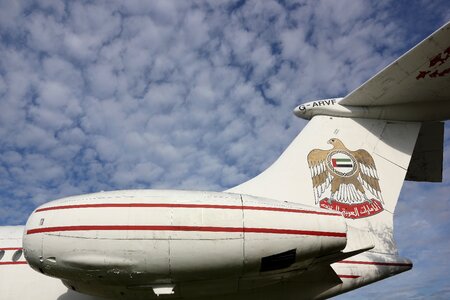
173 241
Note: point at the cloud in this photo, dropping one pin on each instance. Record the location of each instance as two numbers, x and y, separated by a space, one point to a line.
189 95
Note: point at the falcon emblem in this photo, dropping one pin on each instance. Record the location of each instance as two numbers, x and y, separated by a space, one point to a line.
345 180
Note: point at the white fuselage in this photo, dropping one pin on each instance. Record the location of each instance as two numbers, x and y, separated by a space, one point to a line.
176 240
136 244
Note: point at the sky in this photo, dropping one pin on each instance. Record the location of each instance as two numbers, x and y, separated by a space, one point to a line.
106 95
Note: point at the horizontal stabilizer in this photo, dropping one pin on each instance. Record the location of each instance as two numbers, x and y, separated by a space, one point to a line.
422 75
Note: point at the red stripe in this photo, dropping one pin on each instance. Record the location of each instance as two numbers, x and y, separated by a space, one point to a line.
333 162
349 276
185 228
13 263
291 210
375 263
11 248
292 231
171 205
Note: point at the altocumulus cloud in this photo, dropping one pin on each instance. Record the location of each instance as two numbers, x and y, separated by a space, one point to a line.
102 95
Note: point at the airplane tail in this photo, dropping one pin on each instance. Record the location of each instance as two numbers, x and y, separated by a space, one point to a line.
355 152
355 166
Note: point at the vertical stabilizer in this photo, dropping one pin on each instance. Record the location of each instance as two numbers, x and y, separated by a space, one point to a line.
355 166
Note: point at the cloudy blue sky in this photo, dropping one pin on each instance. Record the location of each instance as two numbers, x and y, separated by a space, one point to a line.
104 95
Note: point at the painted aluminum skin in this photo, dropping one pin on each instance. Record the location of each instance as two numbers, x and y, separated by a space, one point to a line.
148 238
319 282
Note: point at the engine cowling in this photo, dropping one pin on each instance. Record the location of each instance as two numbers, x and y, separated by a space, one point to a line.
146 238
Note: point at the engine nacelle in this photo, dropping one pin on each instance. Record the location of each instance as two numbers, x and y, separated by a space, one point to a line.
142 238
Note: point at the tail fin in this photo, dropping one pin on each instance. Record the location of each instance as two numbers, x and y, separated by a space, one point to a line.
357 164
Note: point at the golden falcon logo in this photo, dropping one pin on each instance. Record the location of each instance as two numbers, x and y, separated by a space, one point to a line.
345 180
